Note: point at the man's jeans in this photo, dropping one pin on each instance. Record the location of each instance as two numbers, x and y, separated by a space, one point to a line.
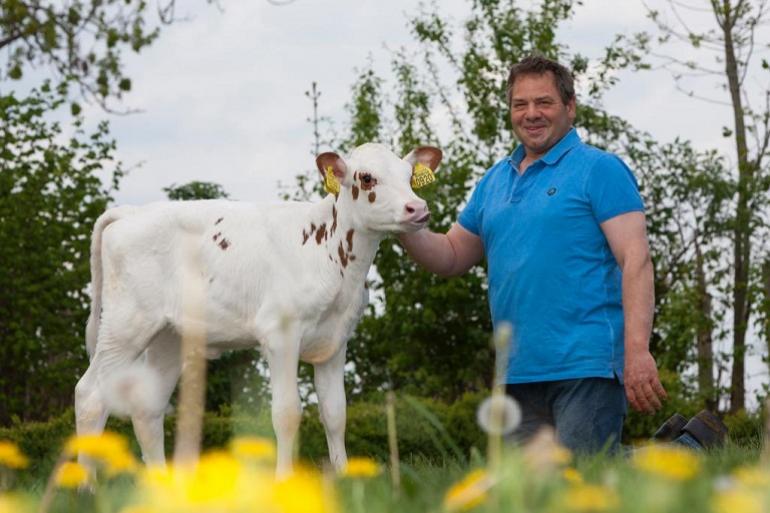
587 413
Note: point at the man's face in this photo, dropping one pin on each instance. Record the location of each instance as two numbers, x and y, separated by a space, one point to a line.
539 117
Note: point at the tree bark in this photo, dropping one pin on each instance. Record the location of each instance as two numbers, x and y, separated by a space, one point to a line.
704 334
727 17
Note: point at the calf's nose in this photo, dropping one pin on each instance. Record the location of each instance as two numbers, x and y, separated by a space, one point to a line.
417 211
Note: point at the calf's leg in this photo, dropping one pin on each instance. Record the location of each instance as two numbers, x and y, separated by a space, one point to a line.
163 359
282 352
330 387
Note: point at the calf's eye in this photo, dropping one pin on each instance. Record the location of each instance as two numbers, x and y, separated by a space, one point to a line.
367 179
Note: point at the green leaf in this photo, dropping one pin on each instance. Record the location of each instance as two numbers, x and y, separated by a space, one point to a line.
15 72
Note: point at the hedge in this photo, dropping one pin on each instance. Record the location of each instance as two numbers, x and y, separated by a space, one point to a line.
427 430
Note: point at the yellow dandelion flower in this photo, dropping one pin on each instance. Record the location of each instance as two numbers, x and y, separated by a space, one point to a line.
253 448
108 448
667 461
70 475
214 480
753 477
571 475
301 492
589 498
735 500
121 463
361 467
11 456
10 503
468 493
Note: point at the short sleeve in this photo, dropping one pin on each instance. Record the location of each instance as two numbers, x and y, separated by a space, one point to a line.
470 217
612 189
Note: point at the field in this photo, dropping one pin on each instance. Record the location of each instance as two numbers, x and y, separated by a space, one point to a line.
238 477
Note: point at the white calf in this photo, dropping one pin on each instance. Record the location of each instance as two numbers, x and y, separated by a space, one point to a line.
287 277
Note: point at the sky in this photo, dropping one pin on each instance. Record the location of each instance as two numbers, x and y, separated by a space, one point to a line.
222 94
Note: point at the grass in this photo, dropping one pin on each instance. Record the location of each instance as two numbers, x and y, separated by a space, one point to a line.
537 479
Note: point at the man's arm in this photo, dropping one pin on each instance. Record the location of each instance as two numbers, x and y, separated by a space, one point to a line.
627 237
449 254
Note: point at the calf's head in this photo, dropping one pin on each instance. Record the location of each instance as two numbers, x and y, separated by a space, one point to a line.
375 186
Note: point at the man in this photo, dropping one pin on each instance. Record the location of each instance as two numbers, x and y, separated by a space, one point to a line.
563 229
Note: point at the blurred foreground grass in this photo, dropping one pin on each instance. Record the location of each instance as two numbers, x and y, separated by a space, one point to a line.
540 478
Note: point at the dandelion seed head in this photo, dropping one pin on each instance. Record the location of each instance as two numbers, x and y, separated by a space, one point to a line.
133 390
510 416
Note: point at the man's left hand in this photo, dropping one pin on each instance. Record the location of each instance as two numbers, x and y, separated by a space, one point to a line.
643 388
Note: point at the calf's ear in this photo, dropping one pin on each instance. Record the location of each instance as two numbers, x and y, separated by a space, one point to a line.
426 155
333 170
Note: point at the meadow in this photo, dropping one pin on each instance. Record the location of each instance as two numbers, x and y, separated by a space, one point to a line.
236 472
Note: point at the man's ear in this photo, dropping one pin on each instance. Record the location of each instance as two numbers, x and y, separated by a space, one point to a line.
429 156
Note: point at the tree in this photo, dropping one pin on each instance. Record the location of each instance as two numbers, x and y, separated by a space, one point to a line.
731 38
50 197
79 42
195 190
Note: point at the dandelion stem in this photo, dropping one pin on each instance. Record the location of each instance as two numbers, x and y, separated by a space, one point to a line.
395 469
50 486
193 383
501 339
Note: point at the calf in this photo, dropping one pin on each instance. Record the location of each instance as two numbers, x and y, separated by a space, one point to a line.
288 277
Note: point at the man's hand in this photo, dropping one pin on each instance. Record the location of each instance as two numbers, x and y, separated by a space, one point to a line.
643 388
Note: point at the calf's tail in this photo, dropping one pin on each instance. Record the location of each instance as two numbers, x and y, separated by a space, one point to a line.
92 328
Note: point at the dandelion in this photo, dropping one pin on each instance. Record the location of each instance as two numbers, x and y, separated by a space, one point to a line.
361 467
220 482
590 498
11 456
667 461
71 474
253 448
468 493
544 452
735 500
10 504
302 492
752 477
572 476
109 448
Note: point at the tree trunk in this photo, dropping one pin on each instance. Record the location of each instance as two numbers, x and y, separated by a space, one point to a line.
705 342
726 17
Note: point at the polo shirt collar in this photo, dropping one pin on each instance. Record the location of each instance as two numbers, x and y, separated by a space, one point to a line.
566 143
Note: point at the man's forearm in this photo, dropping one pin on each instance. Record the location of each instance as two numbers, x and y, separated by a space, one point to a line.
431 250
638 304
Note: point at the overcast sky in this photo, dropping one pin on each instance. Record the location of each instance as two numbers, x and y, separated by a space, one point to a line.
222 95
223 98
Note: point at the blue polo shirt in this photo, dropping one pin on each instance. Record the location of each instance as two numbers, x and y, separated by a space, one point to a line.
551 272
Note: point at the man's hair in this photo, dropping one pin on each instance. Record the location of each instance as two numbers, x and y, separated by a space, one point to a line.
539 65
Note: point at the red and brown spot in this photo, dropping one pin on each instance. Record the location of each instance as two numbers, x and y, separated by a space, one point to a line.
349 239
320 234
355 192
216 236
219 221
372 196
224 244
343 256
334 220
305 236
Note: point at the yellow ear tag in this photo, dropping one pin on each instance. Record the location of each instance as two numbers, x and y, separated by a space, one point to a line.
331 185
422 175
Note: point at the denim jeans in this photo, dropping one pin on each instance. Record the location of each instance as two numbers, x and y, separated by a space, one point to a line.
586 413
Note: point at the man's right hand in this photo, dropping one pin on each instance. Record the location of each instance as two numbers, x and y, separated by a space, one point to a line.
449 254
